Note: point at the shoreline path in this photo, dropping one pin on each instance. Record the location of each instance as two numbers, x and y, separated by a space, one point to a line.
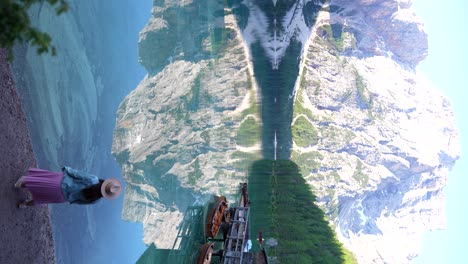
25 234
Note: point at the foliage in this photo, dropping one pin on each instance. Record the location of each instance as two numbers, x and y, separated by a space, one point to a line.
365 99
15 24
253 108
193 103
197 173
316 84
249 132
304 133
244 155
205 135
359 175
283 208
339 135
337 31
353 42
335 35
219 40
307 162
303 82
243 160
299 108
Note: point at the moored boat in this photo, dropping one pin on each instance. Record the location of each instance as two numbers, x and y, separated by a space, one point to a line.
204 256
215 216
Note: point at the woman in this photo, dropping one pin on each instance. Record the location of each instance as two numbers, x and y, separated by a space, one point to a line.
70 185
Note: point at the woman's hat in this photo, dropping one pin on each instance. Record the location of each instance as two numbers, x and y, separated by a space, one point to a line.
111 188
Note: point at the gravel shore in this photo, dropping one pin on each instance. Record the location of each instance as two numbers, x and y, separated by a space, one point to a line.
26 234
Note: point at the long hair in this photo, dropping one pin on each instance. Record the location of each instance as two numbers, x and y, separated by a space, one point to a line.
92 193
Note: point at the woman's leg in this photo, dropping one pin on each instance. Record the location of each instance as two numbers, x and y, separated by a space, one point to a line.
20 182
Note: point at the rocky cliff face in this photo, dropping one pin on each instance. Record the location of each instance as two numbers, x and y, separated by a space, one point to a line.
373 139
384 139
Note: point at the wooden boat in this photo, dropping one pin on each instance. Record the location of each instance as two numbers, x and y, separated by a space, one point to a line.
204 256
215 216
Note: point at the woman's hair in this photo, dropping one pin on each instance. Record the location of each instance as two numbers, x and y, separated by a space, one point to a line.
92 193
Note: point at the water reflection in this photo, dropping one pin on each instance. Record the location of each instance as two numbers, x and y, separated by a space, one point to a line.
219 94
193 124
277 204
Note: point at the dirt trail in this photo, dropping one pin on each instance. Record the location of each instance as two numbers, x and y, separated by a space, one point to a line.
25 234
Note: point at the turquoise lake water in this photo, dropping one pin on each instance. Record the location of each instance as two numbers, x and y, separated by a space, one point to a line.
71 101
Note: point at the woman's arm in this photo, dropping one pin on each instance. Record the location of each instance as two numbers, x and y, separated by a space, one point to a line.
80 175
79 201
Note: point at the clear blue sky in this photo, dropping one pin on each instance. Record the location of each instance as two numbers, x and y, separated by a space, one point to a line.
447 68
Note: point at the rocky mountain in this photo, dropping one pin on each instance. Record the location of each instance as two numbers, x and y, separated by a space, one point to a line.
336 81
383 139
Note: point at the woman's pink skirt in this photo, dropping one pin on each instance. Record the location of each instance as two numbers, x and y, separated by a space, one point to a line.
45 186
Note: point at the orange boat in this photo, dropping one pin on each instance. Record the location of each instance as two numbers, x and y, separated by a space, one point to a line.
215 216
204 257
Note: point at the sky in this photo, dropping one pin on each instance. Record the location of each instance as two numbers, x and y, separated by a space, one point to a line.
446 67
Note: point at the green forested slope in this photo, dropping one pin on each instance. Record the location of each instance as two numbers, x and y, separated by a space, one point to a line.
283 208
